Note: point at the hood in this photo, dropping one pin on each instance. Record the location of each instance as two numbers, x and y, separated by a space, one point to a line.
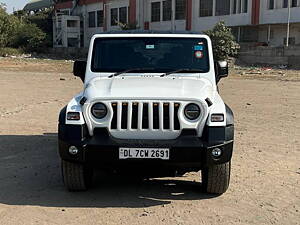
149 88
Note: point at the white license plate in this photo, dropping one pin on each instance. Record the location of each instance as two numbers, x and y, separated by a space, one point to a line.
144 153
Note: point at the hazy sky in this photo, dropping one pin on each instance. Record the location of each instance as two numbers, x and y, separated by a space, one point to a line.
17 4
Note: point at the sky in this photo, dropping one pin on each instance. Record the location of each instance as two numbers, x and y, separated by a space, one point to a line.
17 4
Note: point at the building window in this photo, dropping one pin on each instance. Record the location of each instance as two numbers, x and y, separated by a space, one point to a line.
245 6
180 9
206 8
294 3
239 4
71 23
100 18
155 11
123 15
234 7
222 7
271 4
114 17
167 10
92 19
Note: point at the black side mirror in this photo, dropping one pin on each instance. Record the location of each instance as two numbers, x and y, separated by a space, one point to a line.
221 70
79 68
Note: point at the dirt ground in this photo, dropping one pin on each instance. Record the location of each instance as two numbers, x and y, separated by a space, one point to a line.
265 182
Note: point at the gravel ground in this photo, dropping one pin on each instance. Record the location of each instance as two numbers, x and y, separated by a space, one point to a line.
265 182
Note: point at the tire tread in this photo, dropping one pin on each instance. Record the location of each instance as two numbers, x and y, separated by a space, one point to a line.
74 176
216 178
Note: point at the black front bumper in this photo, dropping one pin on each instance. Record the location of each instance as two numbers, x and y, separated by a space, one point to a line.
187 151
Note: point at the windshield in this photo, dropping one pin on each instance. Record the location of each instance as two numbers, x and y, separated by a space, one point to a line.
157 54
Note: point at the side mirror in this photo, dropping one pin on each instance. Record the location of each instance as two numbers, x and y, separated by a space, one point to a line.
79 68
221 70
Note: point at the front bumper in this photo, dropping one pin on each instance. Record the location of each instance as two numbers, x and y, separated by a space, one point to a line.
187 151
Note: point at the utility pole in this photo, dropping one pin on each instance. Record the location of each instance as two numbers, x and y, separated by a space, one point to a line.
288 24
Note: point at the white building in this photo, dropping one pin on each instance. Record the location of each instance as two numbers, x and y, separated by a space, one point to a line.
263 22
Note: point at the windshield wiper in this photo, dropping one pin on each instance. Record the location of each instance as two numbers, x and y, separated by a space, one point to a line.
182 71
129 70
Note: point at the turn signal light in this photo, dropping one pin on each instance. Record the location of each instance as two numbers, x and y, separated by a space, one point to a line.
217 118
73 116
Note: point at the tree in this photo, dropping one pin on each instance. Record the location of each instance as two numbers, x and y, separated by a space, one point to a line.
223 42
8 26
128 26
29 37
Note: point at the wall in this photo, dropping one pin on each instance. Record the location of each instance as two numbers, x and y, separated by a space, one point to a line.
271 55
279 32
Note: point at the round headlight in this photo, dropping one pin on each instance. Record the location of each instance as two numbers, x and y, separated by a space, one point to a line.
99 110
192 111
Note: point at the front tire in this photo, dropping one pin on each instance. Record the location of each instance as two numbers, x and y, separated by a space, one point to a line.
215 178
76 176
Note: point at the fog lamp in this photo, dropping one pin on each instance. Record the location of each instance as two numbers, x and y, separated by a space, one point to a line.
216 152
73 150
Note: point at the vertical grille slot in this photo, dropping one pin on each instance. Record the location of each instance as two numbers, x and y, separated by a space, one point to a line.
124 116
176 120
166 117
114 119
135 114
145 116
155 116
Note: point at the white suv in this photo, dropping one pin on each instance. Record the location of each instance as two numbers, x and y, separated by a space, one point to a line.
150 105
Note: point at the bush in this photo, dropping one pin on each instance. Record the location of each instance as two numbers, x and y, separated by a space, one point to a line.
223 42
29 37
4 52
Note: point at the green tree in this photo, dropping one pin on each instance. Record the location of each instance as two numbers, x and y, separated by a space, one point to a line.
128 26
9 24
223 42
29 37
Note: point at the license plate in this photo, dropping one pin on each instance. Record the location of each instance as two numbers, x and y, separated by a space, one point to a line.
144 153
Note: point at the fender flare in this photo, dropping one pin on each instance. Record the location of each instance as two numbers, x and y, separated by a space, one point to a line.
229 116
62 115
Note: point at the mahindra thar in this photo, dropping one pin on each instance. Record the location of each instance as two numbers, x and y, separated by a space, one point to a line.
150 105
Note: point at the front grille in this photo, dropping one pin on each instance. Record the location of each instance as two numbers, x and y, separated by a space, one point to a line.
145 116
